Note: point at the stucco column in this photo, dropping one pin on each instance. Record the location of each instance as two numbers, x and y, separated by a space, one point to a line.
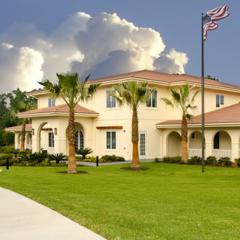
235 147
161 145
35 142
208 143
16 137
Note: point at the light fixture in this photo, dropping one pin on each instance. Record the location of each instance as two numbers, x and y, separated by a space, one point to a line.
33 131
55 131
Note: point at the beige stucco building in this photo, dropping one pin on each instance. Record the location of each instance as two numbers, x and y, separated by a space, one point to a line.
105 127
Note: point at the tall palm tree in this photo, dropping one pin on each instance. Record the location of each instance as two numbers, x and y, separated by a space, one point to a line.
72 91
133 94
181 99
20 102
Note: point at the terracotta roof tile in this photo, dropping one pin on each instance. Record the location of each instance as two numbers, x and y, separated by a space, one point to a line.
156 76
18 128
63 108
230 114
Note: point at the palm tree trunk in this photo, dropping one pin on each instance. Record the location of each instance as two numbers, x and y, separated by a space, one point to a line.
135 156
23 136
184 140
72 166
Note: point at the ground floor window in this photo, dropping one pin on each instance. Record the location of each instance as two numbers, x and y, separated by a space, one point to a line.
50 139
216 141
142 144
79 140
111 140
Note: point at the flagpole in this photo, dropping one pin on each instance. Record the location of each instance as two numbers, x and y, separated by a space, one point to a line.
203 100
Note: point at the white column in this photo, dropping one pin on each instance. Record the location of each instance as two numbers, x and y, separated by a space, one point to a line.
209 143
16 138
235 144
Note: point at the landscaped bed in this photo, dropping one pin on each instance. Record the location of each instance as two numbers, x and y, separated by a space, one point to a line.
166 201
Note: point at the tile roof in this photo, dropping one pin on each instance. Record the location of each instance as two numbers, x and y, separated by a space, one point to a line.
230 114
18 128
159 77
63 108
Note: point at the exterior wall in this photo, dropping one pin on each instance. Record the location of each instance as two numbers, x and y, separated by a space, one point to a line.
156 140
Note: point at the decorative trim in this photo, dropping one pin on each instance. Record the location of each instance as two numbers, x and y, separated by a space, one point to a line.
109 127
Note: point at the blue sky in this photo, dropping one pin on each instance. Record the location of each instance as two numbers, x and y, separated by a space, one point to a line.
177 21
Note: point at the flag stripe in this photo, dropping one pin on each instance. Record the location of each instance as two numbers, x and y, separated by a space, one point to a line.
212 17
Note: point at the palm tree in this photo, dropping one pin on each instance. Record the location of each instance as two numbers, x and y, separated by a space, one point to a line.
20 102
133 94
181 99
72 91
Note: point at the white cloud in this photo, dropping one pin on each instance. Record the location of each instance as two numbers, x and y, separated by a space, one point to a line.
104 44
172 62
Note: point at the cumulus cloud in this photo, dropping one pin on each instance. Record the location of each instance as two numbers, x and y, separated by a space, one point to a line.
172 62
19 67
104 44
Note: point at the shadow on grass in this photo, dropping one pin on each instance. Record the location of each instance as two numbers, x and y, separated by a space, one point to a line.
134 169
78 172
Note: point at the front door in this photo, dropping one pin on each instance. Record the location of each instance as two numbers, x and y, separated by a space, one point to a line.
142 145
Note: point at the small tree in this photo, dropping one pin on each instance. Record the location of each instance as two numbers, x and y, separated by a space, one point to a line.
182 100
133 94
72 91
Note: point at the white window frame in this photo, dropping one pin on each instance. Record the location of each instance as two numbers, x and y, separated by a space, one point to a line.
110 100
51 102
111 143
150 101
50 139
139 143
219 100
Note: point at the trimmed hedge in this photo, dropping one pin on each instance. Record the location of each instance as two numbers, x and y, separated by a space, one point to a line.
112 158
176 159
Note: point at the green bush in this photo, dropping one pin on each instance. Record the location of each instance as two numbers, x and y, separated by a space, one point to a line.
111 158
195 160
84 152
57 157
176 159
3 159
211 160
224 162
237 162
7 149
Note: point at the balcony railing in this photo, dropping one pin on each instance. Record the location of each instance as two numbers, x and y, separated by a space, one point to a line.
195 152
218 153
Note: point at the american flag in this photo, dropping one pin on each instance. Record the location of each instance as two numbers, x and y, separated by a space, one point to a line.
211 18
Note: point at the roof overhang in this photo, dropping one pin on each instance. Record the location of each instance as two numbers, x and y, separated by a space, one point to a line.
109 127
56 114
197 125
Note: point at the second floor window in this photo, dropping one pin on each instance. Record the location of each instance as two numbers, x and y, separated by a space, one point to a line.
111 140
152 100
219 100
50 139
110 101
51 102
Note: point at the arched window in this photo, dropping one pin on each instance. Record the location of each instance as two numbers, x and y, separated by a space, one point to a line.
79 139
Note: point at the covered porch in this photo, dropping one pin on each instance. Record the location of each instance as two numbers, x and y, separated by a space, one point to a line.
222 134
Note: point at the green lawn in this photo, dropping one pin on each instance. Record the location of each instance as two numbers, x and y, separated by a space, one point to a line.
164 202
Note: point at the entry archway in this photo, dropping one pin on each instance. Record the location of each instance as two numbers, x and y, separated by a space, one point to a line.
173 144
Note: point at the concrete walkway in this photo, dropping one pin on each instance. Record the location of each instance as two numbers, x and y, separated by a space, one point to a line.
22 218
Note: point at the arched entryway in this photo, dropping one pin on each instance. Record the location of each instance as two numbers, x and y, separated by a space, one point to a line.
222 144
173 144
195 144
79 136
45 138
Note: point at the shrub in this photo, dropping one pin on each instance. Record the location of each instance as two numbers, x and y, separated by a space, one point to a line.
3 159
211 160
157 160
195 160
7 149
57 157
224 162
111 158
176 159
84 152
237 162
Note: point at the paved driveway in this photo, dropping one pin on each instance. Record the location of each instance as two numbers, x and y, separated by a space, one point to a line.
21 218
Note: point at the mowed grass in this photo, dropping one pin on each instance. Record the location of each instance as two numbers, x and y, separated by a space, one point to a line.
164 202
